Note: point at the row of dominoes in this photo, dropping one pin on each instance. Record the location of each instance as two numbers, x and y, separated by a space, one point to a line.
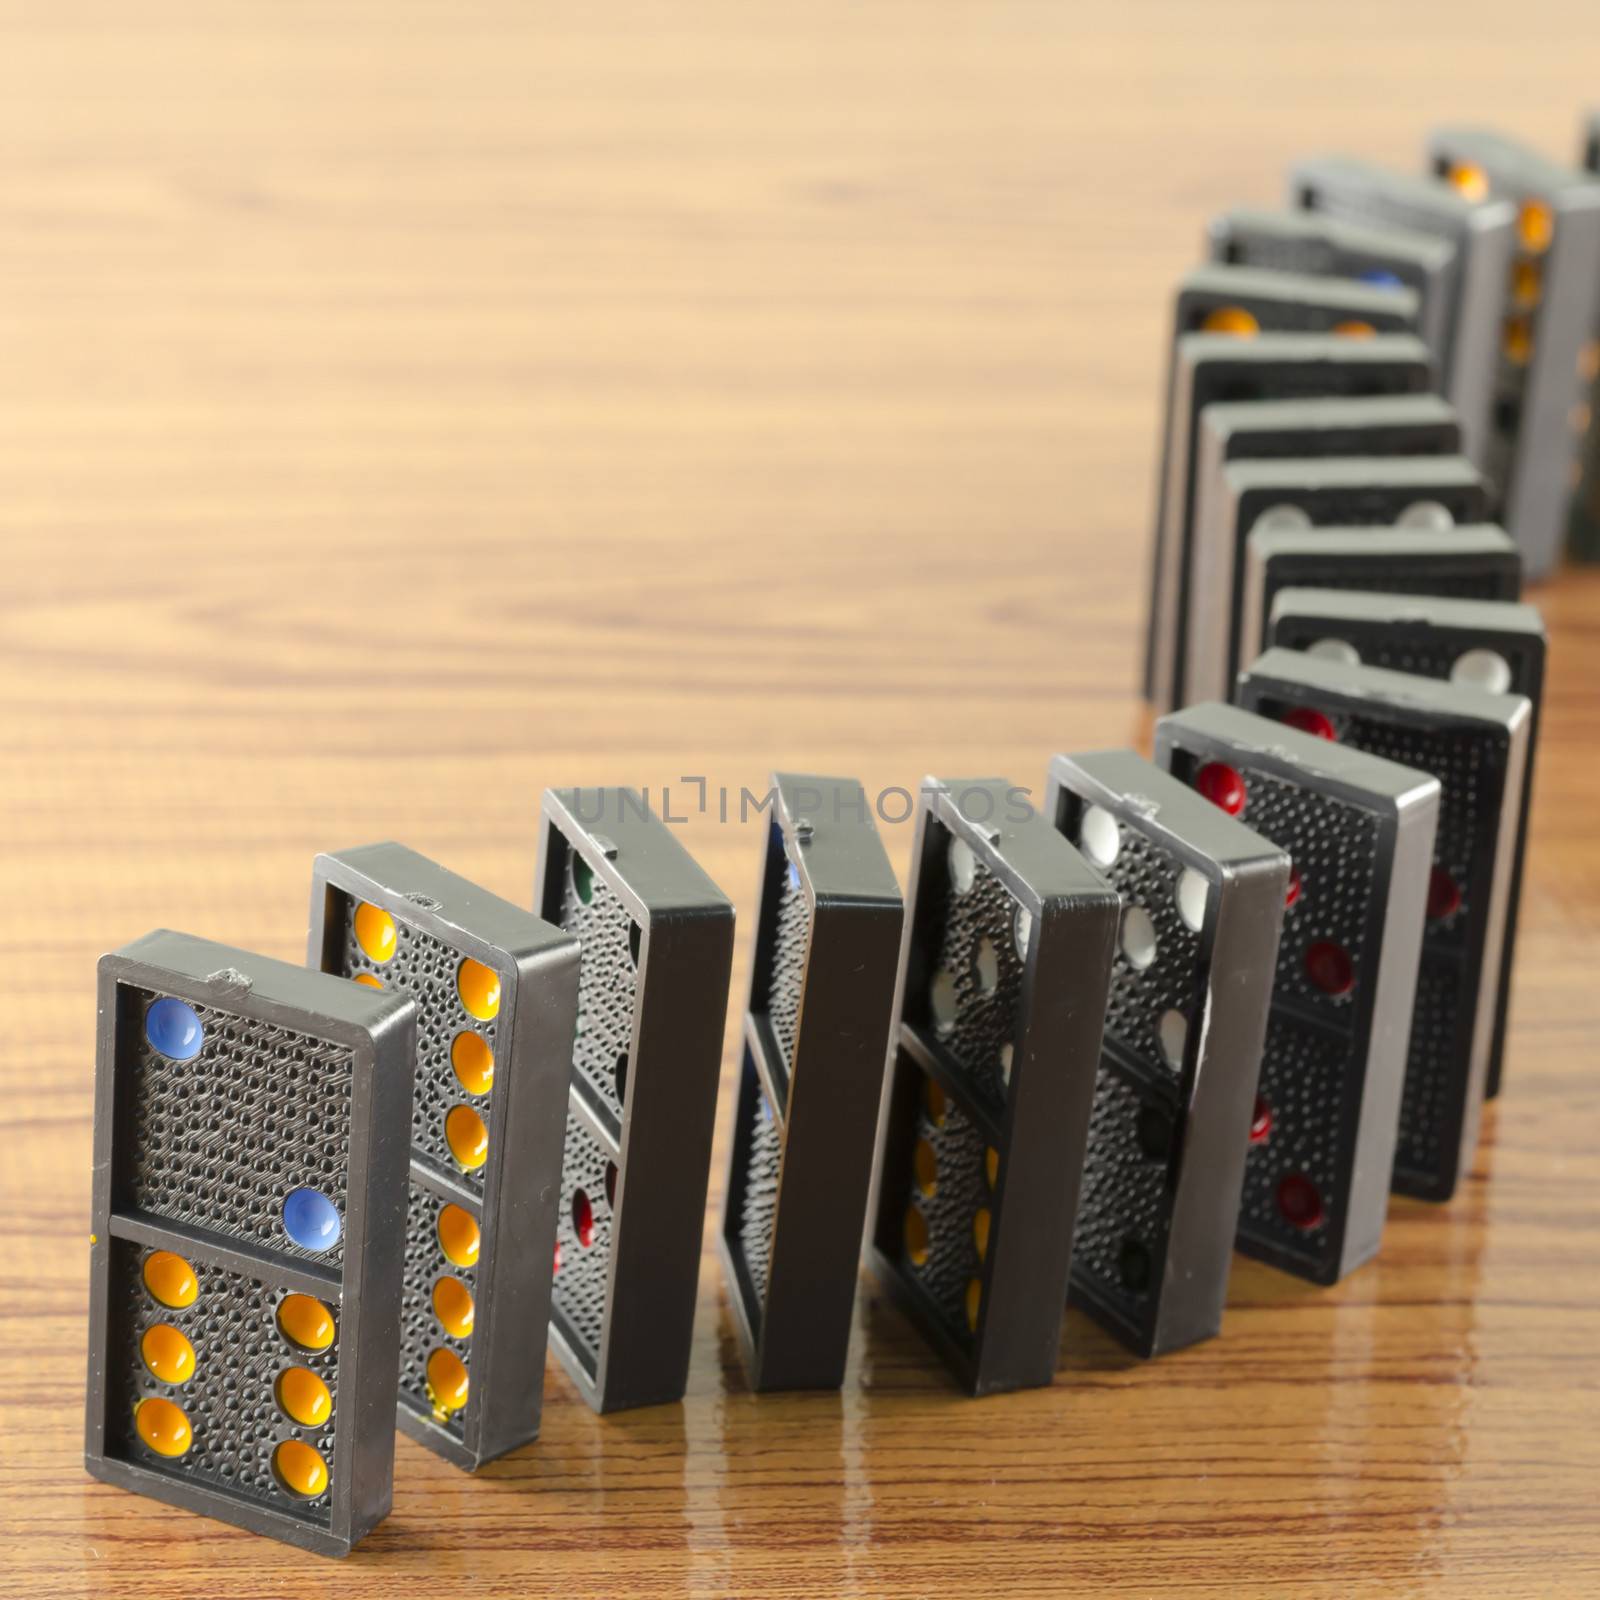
1172 1010
333 1197
1301 395
1224 998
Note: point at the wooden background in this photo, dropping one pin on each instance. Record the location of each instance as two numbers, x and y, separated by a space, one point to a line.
405 407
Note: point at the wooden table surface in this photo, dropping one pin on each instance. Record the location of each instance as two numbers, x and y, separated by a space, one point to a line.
406 407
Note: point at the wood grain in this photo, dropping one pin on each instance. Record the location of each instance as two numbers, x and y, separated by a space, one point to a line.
405 407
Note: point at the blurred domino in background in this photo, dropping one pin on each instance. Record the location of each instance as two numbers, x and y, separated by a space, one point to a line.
1421 491
815 1033
1480 236
1476 744
657 947
1244 301
1584 526
497 993
1202 906
1359 833
1214 367
1497 647
251 1132
1241 302
1548 312
1472 562
1002 991
1262 430
1319 246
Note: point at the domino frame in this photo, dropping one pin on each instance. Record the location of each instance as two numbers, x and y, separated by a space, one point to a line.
1060 925
1333 1065
1583 533
1189 1119
1319 246
1351 190
816 1030
1337 491
1438 1138
1279 302
379 1031
1533 443
654 1141
1473 561
513 1199
1210 367
1378 427
1423 632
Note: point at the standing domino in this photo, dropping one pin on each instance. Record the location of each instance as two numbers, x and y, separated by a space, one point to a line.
1202 909
251 1134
